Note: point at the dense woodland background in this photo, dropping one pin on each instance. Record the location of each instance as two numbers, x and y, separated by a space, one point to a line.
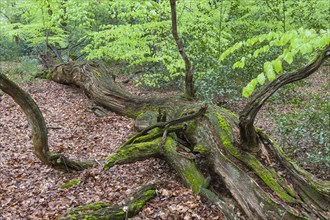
235 47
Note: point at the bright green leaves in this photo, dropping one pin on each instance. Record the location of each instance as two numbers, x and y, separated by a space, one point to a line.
248 90
230 51
260 51
277 65
261 78
287 37
239 64
268 68
288 57
289 46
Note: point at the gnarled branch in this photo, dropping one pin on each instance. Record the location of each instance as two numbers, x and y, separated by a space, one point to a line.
248 134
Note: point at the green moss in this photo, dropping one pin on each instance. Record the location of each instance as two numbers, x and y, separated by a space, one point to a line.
185 167
131 153
267 177
90 217
145 137
230 113
225 137
191 129
150 193
283 183
97 73
92 206
70 184
200 149
196 181
120 214
135 113
137 204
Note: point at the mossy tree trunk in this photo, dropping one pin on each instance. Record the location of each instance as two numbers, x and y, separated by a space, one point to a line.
203 146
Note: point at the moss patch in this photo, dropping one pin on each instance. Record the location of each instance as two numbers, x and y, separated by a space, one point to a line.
200 149
136 206
267 177
131 153
185 167
225 136
272 181
91 206
70 184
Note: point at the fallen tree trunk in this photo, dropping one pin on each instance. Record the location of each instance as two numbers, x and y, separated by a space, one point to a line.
203 149
201 144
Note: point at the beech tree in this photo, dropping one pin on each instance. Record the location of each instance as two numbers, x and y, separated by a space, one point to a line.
204 144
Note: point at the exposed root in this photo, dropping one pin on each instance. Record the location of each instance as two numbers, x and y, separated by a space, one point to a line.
62 163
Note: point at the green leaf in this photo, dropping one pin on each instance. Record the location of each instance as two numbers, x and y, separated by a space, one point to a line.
248 90
239 64
268 68
306 48
288 57
277 65
261 78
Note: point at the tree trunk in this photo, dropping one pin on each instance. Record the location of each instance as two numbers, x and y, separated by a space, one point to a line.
203 147
189 81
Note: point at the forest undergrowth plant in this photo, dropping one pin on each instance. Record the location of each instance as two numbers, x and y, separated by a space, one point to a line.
304 134
25 69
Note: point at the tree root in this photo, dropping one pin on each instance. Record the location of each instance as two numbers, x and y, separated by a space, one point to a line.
62 163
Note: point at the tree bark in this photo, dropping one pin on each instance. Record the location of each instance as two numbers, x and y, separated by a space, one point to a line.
102 89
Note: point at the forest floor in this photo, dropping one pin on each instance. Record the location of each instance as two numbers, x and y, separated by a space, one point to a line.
30 190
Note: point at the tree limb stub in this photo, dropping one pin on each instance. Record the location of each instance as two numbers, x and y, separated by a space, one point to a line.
249 137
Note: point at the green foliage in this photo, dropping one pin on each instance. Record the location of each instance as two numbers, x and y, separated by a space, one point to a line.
306 132
9 50
291 45
138 33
